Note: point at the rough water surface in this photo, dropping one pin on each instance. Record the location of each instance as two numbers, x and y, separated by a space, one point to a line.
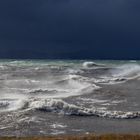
47 97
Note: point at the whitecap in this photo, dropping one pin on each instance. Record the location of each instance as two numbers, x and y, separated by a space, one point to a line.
127 70
61 107
92 64
11 105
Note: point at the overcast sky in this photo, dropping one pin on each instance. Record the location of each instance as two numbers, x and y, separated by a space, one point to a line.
70 29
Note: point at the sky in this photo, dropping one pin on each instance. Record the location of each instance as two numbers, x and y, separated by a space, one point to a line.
70 29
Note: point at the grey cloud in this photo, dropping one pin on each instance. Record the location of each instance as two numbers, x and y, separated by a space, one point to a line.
65 27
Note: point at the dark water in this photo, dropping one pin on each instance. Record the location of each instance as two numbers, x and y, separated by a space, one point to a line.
69 97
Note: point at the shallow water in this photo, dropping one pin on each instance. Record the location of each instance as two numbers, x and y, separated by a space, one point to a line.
46 97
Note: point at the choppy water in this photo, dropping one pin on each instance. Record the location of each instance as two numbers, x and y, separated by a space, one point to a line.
68 97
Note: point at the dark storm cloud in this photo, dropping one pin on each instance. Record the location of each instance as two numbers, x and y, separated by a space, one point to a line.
70 29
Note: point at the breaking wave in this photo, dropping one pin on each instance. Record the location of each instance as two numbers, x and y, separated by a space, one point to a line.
120 74
45 88
11 105
61 107
92 64
127 70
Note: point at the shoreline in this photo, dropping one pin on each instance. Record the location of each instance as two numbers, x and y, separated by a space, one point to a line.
79 137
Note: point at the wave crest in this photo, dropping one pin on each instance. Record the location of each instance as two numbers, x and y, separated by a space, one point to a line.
127 70
12 105
91 65
61 107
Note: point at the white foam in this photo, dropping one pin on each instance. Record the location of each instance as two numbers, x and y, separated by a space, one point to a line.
74 71
92 64
120 74
127 70
58 125
3 67
110 80
57 132
72 85
11 105
4 104
63 87
61 107
89 100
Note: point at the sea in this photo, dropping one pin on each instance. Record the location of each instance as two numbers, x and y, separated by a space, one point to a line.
69 97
